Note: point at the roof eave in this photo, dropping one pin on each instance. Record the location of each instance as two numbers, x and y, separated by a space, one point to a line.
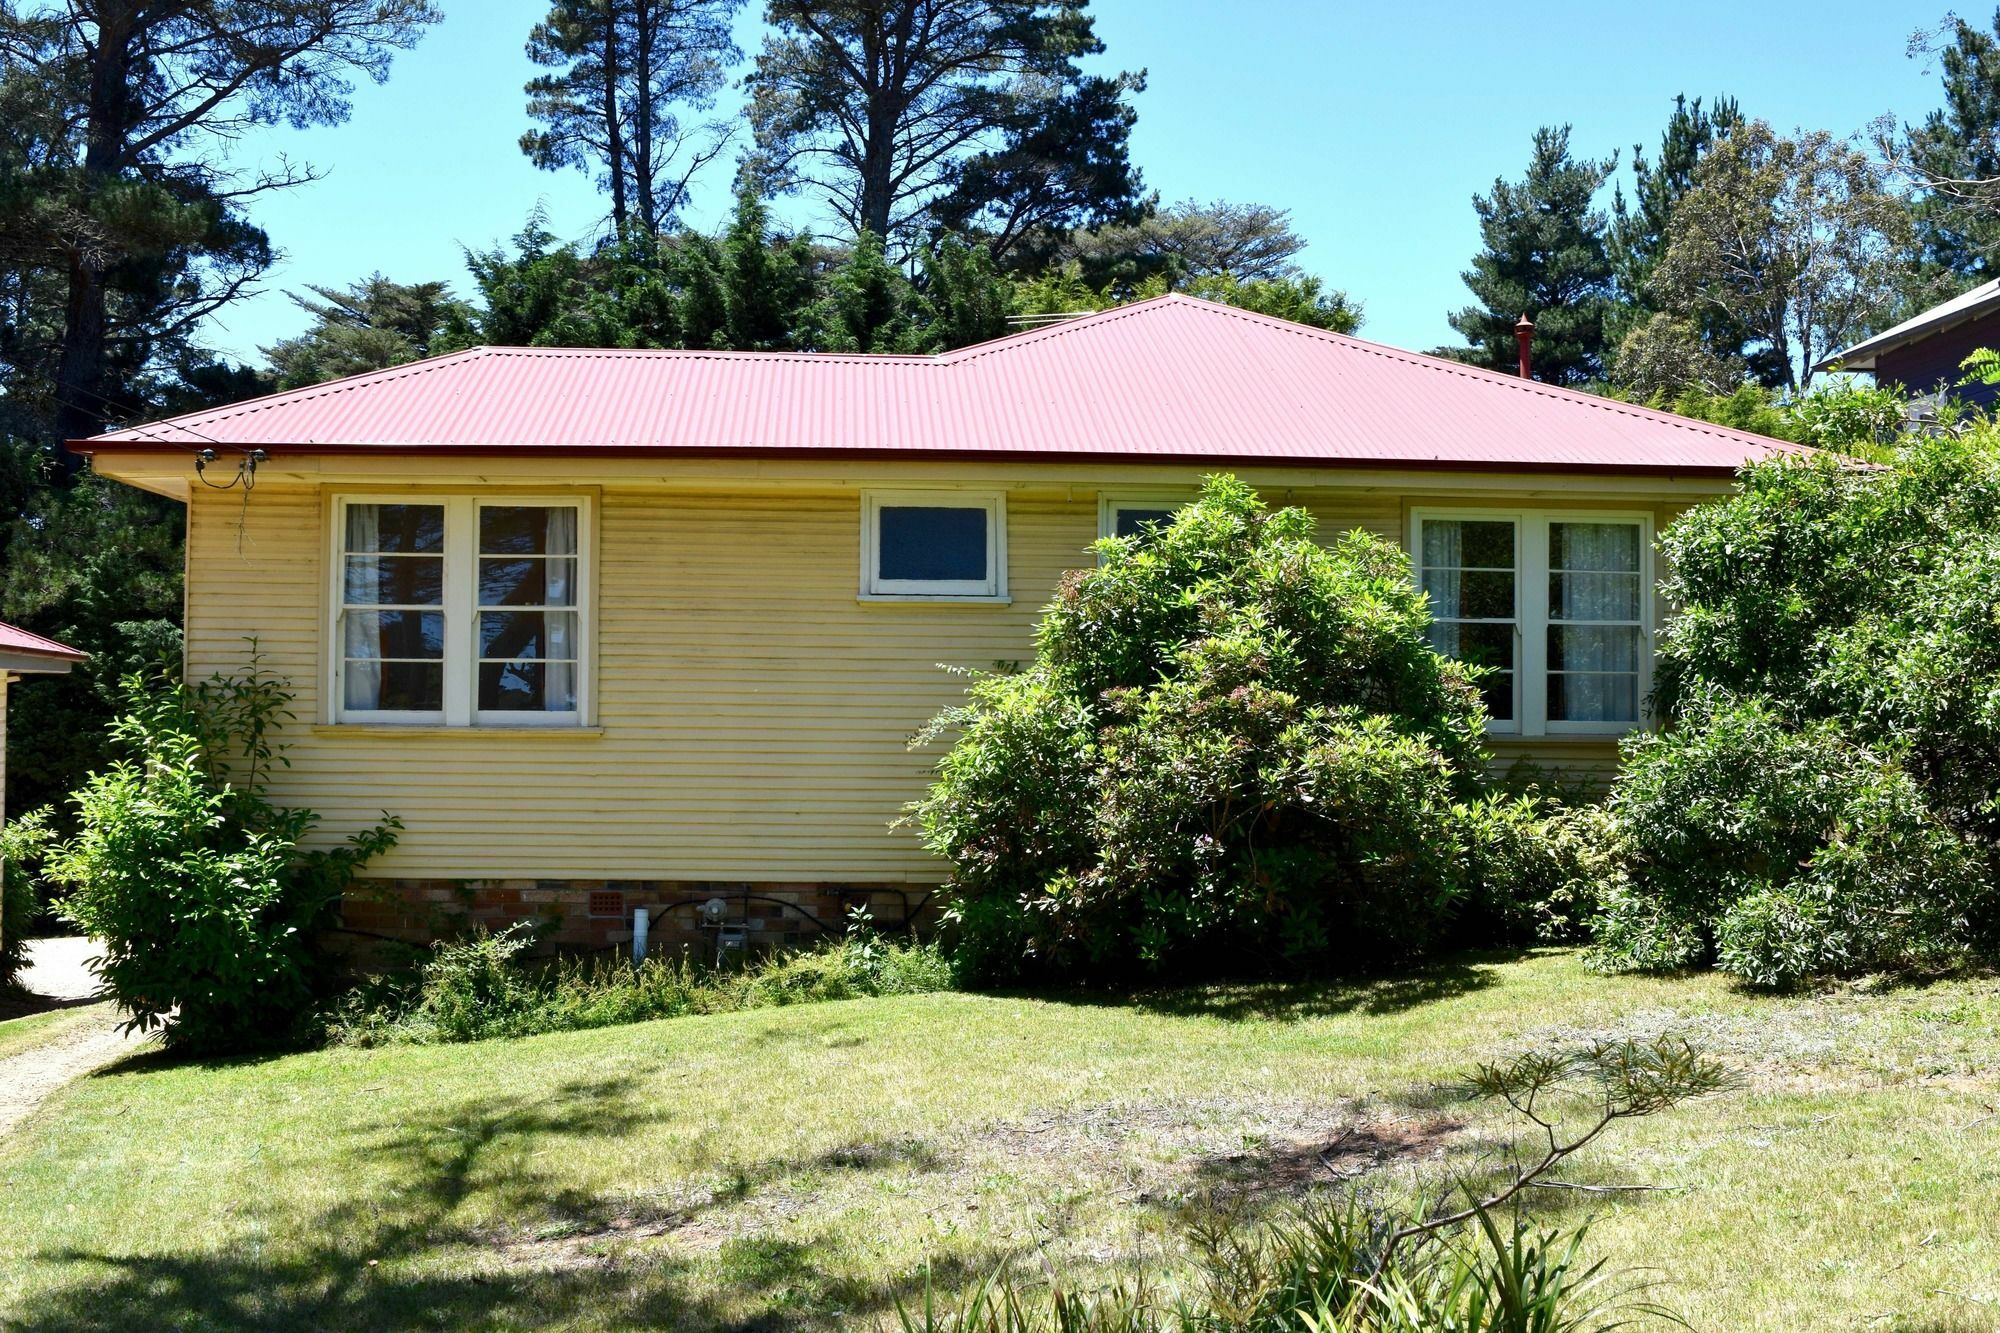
1260 460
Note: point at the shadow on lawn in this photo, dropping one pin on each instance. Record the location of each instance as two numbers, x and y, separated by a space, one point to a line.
407 1256
1289 1001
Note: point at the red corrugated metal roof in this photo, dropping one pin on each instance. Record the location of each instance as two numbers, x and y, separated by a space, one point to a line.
14 639
1172 379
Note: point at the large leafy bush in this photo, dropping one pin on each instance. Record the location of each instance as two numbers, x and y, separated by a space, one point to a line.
1234 746
195 885
1827 799
23 839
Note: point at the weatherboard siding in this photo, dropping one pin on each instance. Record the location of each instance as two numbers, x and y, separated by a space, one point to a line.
752 715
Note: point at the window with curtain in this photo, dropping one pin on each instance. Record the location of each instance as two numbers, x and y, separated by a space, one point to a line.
1558 606
527 608
459 611
1595 627
1467 567
392 609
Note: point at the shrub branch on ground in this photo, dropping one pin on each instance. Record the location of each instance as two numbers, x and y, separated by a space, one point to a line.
1346 1265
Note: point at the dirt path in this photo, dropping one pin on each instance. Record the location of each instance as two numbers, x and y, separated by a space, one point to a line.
58 970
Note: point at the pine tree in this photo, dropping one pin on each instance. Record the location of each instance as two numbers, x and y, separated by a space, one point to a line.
627 72
876 105
1638 239
1639 232
1545 257
869 306
371 325
1955 156
765 283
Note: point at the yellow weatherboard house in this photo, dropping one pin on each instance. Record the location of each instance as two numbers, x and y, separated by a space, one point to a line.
614 629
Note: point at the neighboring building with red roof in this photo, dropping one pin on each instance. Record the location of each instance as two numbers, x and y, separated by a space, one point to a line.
612 629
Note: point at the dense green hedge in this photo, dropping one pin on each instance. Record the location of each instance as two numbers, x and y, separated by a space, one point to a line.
1826 799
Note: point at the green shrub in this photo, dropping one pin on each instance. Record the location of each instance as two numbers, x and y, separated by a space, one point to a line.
1535 871
486 986
24 840
195 886
1824 800
1234 747
1781 851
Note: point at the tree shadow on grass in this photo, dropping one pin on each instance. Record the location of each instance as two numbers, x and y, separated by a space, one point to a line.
1290 1001
427 1251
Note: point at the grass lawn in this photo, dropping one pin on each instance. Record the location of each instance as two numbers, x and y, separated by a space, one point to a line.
797 1167
21 1034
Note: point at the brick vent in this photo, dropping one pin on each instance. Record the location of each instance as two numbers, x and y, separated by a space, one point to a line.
607 902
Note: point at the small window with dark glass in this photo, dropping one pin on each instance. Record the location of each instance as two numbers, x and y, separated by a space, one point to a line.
932 546
1125 518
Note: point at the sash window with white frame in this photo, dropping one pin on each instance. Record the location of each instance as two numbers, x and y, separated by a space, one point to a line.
1557 605
937 545
459 610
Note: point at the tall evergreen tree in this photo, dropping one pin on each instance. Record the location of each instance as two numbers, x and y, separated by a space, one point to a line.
371 325
1544 256
1638 240
876 105
765 281
129 191
1954 157
1639 231
1063 166
627 73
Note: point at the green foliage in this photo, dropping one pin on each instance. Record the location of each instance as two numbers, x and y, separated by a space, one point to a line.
486 987
1182 242
1543 254
194 884
1303 300
24 840
1860 419
95 565
1795 240
372 325
1234 748
884 109
1824 802
1780 852
1955 153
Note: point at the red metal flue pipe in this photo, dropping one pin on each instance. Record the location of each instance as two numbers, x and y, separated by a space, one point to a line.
1524 334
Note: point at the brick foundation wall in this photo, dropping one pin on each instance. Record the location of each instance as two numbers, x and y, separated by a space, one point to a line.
597 914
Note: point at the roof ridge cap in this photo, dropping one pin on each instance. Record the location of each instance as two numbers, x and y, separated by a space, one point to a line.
1444 365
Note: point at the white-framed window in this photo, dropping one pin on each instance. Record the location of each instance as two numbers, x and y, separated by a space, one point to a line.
1557 603
1129 515
460 610
933 546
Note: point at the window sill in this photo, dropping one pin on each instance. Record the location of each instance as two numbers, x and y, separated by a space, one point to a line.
943 599
375 729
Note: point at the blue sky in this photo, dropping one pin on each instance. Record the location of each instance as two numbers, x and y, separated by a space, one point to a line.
1374 124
